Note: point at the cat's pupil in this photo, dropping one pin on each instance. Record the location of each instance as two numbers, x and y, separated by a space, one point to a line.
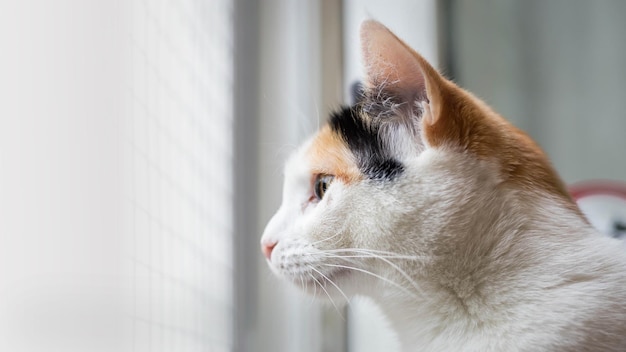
321 185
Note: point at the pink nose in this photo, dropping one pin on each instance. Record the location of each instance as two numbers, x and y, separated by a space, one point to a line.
267 248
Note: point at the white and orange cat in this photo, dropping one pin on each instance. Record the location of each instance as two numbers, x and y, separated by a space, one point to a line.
453 220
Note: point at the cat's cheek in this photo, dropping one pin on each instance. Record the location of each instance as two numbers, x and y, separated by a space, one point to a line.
316 207
309 205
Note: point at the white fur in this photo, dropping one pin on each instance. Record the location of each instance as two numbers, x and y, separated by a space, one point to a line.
457 258
483 267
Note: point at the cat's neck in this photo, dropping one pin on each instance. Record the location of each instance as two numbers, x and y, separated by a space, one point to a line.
494 288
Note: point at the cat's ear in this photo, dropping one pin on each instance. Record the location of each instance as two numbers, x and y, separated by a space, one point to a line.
397 74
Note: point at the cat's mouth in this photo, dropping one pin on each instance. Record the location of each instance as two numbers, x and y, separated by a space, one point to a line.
309 269
313 279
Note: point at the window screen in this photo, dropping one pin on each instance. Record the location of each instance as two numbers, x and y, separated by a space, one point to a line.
177 155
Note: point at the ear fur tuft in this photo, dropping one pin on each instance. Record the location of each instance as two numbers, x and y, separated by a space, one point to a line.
397 74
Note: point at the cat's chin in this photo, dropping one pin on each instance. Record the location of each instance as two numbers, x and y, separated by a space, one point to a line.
328 286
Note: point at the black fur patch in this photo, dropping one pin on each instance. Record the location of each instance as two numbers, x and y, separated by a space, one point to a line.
373 157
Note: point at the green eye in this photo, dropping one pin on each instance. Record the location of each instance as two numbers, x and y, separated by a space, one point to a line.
321 185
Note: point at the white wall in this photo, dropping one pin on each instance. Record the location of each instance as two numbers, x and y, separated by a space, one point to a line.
115 176
59 238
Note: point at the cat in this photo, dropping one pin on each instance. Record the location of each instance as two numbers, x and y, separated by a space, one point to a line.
451 219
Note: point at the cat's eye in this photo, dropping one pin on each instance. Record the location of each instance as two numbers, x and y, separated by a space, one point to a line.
321 185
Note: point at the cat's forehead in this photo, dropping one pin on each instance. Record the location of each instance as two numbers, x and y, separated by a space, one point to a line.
328 153
350 148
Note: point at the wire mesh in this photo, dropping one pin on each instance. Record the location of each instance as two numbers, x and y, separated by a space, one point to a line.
177 156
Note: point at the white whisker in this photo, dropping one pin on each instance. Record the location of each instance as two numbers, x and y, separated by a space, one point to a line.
325 239
376 276
331 281
402 272
369 256
385 258
370 251
327 294
317 112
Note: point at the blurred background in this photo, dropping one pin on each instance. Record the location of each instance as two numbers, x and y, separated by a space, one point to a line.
142 143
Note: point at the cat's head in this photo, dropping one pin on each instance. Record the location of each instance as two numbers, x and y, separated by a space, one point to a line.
417 173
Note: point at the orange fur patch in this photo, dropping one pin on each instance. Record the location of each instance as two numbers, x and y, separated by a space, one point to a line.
468 123
330 155
456 118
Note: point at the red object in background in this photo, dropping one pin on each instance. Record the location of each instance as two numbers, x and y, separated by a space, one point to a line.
597 187
604 204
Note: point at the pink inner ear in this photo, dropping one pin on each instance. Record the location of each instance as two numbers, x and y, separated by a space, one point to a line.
396 71
390 65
